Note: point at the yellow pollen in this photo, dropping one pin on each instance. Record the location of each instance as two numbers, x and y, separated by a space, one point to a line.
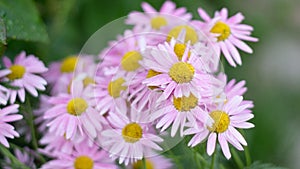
184 103
221 121
139 164
77 106
68 65
221 28
158 22
182 72
179 50
17 72
130 61
87 81
115 87
83 162
152 73
190 35
132 132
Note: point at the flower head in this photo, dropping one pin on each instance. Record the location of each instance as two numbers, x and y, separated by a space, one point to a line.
130 138
229 33
24 74
152 19
227 117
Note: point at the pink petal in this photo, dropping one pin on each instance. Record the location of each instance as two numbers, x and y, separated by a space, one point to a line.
148 8
211 143
226 54
224 146
204 15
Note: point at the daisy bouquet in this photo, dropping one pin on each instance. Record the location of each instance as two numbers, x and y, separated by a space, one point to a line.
161 84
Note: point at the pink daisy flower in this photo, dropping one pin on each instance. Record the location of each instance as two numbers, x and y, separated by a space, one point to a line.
130 138
83 157
23 75
73 113
229 34
7 114
109 93
152 19
178 111
179 71
156 162
227 117
125 52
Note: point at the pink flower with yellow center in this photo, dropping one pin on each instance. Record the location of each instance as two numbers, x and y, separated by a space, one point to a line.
227 117
73 114
130 138
152 19
178 70
229 33
25 71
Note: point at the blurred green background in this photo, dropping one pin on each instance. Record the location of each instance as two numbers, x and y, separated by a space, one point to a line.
272 72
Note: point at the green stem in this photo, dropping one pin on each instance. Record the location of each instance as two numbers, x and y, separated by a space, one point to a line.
144 163
247 152
12 158
212 165
237 159
248 157
31 123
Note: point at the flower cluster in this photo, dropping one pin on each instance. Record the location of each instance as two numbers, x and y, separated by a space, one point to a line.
161 78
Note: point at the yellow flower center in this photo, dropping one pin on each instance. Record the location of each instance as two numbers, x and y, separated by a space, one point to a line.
139 164
190 35
115 87
179 50
184 103
221 28
221 121
17 72
68 65
158 22
130 61
83 162
152 73
77 106
182 72
132 132
87 81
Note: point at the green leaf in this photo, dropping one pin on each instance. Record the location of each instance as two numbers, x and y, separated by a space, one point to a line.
14 161
22 21
260 165
2 36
